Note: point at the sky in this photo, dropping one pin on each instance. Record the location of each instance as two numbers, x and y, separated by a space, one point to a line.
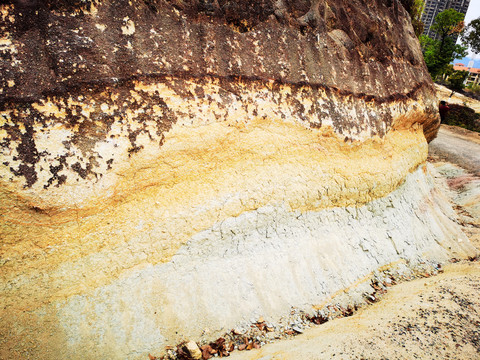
473 12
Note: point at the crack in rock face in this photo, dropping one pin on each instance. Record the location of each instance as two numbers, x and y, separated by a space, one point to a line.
144 145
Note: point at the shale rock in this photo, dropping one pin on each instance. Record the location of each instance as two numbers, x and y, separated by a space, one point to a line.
171 166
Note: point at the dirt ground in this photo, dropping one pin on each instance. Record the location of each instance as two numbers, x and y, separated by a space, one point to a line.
431 318
458 146
428 318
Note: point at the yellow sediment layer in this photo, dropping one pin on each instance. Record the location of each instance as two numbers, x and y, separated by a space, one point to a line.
201 176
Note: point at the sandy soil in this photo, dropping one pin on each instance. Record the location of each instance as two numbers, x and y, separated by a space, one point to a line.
429 318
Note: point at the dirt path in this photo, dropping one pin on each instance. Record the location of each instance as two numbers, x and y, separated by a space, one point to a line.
458 146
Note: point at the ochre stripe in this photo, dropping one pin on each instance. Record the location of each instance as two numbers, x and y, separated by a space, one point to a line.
201 176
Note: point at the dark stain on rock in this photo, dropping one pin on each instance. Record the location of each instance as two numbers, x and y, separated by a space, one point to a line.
83 172
151 5
132 136
37 209
199 92
54 170
168 119
27 153
26 171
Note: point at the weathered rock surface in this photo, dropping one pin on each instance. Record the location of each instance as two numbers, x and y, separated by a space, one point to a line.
171 166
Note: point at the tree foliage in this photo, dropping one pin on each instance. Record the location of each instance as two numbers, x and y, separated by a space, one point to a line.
463 116
448 22
457 79
438 53
471 35
415 10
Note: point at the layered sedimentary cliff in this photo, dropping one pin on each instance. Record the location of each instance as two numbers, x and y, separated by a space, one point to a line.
171 166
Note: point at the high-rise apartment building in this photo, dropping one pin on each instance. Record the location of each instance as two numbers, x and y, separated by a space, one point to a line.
434 7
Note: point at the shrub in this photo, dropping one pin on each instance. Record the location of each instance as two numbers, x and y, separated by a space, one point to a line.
463 116
456 80
474 88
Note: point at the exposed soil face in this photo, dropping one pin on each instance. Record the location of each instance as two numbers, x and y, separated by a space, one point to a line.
428 318
431 318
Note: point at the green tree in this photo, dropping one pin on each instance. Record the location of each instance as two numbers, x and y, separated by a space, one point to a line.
457 79
415 10
440 52
448 22
471 36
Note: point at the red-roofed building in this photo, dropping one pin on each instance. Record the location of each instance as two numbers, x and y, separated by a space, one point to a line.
473 76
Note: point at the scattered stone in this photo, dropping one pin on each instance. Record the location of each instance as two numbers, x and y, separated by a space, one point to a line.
298 329
194 351
260 332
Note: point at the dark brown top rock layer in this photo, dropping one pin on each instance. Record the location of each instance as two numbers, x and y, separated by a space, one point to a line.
360 47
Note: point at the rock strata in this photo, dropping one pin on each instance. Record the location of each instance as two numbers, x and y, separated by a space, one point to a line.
169 166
